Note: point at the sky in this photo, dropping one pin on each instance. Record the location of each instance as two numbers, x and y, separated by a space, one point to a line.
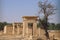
13 10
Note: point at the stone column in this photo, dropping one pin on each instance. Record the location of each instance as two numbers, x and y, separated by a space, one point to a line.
27 29
17 29
13 28
5 29
34 31
23 28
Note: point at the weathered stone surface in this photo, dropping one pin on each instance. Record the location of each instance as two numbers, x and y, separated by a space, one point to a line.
21 31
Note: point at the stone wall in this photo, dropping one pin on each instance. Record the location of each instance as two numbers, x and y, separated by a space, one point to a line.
9 30
13 29
54 34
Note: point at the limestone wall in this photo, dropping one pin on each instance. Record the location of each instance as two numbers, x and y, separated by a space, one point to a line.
20 30
40 32
9 30
54 34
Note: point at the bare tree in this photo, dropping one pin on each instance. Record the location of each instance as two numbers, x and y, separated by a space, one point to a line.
46 9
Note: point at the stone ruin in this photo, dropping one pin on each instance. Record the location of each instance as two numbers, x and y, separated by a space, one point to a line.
27 30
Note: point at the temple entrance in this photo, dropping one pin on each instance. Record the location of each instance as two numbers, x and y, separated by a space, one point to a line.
29 25
30 29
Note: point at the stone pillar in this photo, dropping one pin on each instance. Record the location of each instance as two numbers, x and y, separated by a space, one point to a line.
24 29
17 29
34 36
13 28
27 30
35 29
5 29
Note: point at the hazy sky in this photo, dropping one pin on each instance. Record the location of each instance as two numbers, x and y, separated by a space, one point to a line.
13 10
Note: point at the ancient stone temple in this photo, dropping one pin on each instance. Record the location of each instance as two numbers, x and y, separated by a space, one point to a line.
28 30
30 26
15 28
27 27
